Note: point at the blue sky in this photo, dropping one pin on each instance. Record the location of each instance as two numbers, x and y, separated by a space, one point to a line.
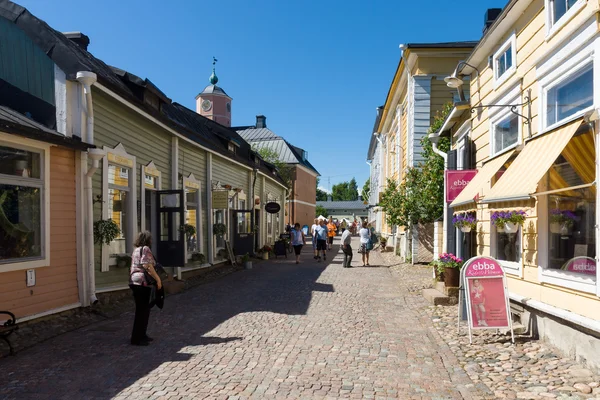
316 69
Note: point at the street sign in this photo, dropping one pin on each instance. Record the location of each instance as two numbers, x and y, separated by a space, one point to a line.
486 295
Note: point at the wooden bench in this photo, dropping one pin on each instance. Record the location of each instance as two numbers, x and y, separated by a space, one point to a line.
7 328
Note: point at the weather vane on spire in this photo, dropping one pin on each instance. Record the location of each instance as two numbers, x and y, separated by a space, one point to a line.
213 77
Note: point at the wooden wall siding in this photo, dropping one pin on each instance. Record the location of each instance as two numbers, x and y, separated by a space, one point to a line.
25 65
193 160
56 284
273 190
422 114
229 173
440 95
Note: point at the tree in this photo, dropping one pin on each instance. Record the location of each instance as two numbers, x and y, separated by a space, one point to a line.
320 210
420 198
352 193
345 191
366 190
321 194
285 170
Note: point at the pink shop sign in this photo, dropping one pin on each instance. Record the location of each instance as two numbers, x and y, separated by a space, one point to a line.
456 181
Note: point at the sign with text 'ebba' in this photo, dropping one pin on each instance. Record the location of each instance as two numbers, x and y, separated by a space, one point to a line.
456 181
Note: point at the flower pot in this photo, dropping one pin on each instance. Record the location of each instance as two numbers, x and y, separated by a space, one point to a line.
265 255
500 228
555 227
510 227
451 277
465 228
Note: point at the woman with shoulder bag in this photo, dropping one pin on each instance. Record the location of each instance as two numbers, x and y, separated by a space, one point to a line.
142 278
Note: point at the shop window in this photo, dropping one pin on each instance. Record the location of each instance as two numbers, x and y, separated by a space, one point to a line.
22 214
191 218
508 246
118 206
570 96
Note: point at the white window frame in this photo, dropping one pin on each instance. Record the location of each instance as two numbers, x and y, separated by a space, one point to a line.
553 27
151 170
43 150
511 43
499 114
510 267
560 75
192 183
119 158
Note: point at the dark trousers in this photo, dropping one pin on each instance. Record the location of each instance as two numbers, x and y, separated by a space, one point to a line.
347 255
141 295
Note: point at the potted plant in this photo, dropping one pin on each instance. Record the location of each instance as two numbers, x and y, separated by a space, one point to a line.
105 231
383 242
123 261
561 221
265 250
437 271
219 229
198 257
510 221
246 261
188 230
450 265
466 222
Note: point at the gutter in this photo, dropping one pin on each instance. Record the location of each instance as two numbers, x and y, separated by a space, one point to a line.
440 153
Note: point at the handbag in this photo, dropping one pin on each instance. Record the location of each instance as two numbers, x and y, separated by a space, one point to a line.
149 278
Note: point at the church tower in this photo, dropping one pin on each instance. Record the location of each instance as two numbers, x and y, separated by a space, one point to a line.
213 102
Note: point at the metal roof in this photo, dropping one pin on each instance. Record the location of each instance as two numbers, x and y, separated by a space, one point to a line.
443 45
213 89
338 205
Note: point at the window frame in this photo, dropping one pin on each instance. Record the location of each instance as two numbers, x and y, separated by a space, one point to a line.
151 170
119 157
514 268
511 43
553 27
499 114
192 183
43 149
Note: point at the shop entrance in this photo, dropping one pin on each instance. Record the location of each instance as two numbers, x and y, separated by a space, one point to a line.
170 239
243 238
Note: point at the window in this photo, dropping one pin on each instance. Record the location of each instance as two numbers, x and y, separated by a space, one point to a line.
21 205
505 133
118 206
571 96
506 247
505 60
231 147
558 8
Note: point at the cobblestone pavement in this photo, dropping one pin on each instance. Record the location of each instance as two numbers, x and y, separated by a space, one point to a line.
280 330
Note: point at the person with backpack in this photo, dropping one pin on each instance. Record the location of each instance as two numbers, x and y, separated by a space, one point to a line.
321 237
366 244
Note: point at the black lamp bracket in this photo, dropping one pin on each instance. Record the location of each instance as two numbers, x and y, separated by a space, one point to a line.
513 109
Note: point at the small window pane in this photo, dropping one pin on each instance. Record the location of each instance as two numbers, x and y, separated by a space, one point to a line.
560 8
508 246
20 222
150 181
19 162
504 62
506 133
570 97
118 176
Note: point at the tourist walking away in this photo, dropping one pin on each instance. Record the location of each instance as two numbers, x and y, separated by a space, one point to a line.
143 280
298 240
321 238
313 233
343 225
331 233
365 243
346 248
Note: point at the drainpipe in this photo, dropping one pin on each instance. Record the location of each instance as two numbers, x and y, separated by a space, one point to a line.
87 79
434 142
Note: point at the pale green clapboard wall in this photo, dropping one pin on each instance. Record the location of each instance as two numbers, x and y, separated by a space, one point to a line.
116 123
229 173
193 160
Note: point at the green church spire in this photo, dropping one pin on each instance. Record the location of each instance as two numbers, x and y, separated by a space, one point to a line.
213 77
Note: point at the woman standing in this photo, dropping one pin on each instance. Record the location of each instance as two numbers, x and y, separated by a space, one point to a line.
142 263
331 232
365 237
298 241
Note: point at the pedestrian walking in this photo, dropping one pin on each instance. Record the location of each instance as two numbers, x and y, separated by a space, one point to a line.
321 236
347 248
331 232
143 280
298 240
343 225
313 233
365 240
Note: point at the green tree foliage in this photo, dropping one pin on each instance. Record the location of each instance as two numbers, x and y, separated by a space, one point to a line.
285 171
366 189
321 195
320 210
420 198
345 191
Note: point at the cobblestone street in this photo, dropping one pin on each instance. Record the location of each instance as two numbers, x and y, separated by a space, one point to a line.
313 330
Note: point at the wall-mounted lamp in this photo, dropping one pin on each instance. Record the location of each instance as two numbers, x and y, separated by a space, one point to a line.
454 81
394 149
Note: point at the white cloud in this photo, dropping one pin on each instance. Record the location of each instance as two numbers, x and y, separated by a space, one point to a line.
324 189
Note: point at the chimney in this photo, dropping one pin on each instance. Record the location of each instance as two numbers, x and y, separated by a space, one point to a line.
78 38
490 16
261 121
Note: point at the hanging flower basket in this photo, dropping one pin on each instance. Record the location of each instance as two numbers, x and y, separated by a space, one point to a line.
508 221
562 221
466 222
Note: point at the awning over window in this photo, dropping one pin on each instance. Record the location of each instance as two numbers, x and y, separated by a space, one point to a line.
480 184
521 179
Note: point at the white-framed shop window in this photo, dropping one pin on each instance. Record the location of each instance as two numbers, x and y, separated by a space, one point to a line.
505 126
559 13
193 215
152 182
505 61
24 204
507 249
119 202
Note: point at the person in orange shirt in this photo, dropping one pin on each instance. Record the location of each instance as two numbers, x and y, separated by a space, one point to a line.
331 232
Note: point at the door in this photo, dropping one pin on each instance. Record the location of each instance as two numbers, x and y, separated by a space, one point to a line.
243 238
171 240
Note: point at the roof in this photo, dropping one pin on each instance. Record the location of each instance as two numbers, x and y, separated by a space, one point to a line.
442 45
337 205
16 123
265 138
213 89
373 141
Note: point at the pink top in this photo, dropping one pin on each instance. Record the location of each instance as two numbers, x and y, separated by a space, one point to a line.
136 273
